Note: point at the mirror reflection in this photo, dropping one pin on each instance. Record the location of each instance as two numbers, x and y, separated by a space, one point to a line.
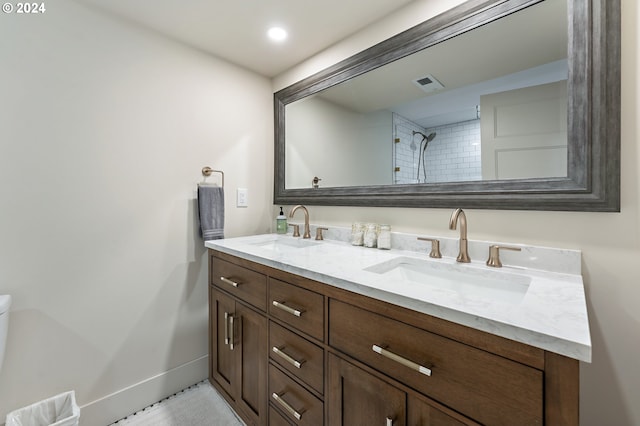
488 104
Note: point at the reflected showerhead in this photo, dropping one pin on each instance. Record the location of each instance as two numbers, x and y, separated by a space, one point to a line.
425 138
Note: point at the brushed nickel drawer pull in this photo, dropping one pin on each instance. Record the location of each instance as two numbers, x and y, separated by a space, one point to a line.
281 305
389 421
231 333
286 406
226 328
228 281
281 353
397 358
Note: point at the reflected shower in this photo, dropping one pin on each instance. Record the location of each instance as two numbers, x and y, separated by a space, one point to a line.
426 139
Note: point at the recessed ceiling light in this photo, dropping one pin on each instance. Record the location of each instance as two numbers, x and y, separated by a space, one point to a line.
277 34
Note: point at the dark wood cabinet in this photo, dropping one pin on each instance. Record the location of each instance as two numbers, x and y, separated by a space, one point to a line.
294 400
298 356
358 398
252 365
238 364
421 412
297 352
483 386
277 419
287 350
297 307
221 358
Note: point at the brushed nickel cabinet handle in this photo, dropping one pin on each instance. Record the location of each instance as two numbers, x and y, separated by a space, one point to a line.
286 406
230 282
286 357
397 358
231 333
281 305
389 421
226 328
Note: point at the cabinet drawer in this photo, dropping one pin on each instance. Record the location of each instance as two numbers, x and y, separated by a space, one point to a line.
300 308
277 419
297 403
245 284
483 386
297 355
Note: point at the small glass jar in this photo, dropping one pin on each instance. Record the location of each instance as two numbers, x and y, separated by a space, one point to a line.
384 237
371 235
357 234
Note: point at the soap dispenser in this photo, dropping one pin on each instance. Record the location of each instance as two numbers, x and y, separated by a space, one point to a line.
281 223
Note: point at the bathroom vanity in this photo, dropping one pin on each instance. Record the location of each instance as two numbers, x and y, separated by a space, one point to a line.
307 333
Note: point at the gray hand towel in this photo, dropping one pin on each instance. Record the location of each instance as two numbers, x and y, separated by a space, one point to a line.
211 208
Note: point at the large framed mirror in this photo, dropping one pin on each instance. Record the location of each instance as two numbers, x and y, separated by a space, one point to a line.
496 104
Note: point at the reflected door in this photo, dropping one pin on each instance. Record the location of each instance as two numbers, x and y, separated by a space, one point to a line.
524 132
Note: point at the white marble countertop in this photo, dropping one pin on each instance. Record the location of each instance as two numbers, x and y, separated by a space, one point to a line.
551 315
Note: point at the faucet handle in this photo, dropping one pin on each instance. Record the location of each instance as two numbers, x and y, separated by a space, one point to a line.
319 233
435 247
494 255
296 229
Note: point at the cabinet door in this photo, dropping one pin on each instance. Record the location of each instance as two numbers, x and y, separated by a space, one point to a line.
356 397
222 363
239 354
251 351
422 413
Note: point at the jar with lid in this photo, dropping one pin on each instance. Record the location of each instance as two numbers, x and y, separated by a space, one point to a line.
370 235
357 234
384 237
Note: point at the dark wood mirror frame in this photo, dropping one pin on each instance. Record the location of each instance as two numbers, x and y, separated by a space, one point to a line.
593 182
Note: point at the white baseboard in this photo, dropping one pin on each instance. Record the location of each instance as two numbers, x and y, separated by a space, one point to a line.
111 408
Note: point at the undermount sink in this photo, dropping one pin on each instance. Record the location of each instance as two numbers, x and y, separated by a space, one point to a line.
471 282
284 243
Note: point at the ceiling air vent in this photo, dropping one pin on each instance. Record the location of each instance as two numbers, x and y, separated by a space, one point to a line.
428 83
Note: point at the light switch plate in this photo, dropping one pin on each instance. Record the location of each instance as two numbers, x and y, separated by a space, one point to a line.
242 197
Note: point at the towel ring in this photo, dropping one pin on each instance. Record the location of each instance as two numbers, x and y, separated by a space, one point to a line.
208 171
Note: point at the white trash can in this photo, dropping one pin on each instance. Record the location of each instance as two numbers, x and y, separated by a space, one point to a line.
60 410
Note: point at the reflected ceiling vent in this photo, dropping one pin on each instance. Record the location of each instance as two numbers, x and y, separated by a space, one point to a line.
428 83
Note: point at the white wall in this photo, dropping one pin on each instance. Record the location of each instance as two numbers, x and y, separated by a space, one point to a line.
610 242
359 145
104 129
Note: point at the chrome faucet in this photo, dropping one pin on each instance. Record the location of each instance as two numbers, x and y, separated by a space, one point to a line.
306 234
458 215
